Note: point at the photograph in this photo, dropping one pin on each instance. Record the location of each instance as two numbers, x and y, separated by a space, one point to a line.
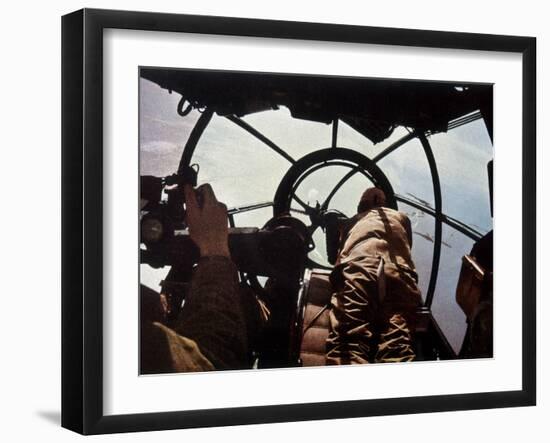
290 220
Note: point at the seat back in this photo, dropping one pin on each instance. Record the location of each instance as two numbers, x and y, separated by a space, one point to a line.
317 294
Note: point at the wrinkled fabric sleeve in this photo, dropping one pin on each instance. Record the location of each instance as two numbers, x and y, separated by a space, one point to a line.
213 316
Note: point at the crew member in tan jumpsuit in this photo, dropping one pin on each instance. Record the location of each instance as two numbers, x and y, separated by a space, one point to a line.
376 294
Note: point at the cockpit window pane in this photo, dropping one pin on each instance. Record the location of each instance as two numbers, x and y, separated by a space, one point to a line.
352 139
462 155
241 169
408 171
255 218
296 136
423 226
162 132
445 309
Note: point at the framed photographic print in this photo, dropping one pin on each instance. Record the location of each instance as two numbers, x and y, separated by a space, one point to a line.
254 209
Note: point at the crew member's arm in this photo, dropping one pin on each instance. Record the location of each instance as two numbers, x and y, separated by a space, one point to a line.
212 315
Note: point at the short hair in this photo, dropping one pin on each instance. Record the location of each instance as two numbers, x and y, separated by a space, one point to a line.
371 198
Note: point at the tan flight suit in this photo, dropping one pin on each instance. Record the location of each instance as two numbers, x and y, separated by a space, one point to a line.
210 332
376 294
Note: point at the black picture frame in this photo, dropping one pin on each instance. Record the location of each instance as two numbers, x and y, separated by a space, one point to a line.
82 215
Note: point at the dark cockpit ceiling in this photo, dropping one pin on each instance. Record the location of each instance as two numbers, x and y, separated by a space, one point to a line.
373 107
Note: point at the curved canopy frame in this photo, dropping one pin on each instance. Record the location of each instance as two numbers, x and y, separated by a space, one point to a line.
439 217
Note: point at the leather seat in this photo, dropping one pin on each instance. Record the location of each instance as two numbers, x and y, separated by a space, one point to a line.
317 294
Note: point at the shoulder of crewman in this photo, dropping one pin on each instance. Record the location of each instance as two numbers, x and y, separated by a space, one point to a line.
403 219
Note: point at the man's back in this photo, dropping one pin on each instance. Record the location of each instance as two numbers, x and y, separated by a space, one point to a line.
376 294
380 232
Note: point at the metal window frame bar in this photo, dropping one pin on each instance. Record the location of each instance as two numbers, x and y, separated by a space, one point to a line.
438 230
437 213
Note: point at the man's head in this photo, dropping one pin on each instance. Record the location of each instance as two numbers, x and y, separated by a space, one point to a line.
371 198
